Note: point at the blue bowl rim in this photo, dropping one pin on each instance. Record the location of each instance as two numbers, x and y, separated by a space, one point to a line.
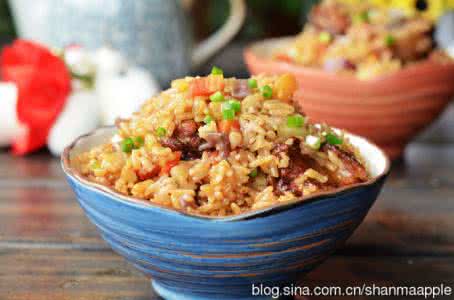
148 205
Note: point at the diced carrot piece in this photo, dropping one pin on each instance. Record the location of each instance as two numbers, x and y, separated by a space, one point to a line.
142 175
236 125
206 86
285 86
284 57
197 87
225 126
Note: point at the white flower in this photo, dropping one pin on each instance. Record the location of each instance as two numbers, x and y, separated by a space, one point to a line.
10 126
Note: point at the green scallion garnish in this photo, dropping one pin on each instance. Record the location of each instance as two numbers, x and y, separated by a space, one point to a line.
217 71
333 139
207 119
233 104
127 145
254 173
267 92
295 121
363 17
228 114
161 131
217 97
252 83
390 40
138 141
95 165
324 37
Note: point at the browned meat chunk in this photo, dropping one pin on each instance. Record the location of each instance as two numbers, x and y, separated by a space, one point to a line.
218 141
280 148
173 143
412 48
186 140
296 167
186 129
356 172
413 40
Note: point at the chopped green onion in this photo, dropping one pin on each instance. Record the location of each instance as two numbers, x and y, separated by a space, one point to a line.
254 173
284 131
324 37
333 139
252 83
230 108
95 165
236 105
207 119
161 131
138 141
295 121
390 40
313 141
228 114
127 145
267 91
232 104
217 97
216 71
363 17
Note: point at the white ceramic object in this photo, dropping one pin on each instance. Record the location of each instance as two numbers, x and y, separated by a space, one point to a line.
122 94
120 89
10 126
109 61
80 115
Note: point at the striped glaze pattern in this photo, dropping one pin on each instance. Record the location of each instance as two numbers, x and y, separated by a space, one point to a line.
198 258
389 110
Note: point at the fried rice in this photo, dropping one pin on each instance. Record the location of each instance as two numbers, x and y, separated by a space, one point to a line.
362 39
222 146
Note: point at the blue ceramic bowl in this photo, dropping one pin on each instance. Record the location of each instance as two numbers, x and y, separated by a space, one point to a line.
195 257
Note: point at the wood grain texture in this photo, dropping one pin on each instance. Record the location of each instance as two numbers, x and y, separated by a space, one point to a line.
53 274
49 250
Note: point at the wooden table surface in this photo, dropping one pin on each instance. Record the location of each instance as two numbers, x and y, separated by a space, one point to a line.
49 250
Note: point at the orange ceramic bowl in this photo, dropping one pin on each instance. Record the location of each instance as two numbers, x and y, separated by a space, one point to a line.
389 110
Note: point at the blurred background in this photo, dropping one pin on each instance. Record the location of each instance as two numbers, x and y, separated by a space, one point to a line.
264 19
6 22
208 16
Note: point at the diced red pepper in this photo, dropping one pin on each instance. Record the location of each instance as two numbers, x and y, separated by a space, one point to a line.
142 175
284 57
322 49
206 86
170 164
236 125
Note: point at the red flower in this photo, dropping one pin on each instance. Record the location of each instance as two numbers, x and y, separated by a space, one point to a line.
43 82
